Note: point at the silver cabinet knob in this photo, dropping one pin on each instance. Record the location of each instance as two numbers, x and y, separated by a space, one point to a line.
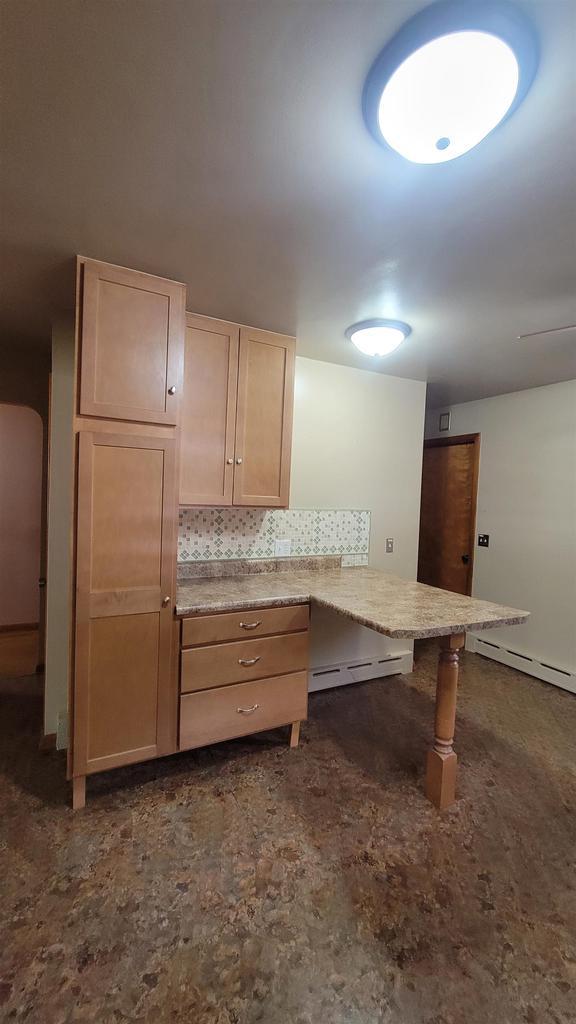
249 661
165 601
230 462
172 390
238 462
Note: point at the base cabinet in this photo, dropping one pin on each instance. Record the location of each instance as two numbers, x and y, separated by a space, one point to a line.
233 688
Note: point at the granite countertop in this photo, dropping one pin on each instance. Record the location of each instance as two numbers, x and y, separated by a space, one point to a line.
385 603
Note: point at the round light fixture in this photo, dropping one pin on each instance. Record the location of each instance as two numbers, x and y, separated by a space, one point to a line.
448 77
377 337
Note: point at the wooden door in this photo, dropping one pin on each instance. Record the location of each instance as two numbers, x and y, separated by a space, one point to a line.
208 412
131 344
448 514
264 418
124 706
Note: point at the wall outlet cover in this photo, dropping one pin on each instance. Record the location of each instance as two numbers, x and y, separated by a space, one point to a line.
282 548
483 540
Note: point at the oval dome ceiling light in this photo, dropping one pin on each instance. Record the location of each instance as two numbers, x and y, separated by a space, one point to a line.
448 77
377 337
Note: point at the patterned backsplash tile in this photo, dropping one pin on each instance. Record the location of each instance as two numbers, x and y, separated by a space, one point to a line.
215 534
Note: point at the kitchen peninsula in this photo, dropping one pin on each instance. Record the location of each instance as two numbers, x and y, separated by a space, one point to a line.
388 604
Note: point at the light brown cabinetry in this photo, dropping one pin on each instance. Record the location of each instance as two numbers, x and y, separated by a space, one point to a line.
208 412
124 600
237 415
130 344
233 688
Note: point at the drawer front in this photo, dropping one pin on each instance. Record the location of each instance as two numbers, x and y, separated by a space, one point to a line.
221 664
214 715
211 629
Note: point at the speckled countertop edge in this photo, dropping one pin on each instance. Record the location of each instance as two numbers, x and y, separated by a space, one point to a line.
485 615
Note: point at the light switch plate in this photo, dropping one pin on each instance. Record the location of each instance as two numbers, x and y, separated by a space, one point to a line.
389 545
282 548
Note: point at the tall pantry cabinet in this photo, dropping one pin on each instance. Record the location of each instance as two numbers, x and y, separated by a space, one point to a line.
151 407
123 362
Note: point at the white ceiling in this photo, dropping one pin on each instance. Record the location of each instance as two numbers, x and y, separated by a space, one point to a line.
221 142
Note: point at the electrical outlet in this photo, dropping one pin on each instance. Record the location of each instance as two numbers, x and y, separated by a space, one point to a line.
483 540
282 548
389 545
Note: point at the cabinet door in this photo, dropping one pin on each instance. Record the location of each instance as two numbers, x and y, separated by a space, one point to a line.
124 700
131 344
208 412
264 418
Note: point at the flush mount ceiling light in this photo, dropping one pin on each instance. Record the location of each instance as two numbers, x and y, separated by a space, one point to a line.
448 77
378 337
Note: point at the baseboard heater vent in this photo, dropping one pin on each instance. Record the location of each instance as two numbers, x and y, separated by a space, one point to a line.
523 662
346 672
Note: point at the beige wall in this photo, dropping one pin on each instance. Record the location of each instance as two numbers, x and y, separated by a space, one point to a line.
358 444
527 503
21 435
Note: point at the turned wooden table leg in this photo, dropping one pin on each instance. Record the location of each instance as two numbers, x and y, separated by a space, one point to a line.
441 767
78 792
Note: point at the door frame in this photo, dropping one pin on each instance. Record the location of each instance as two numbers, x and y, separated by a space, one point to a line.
446 442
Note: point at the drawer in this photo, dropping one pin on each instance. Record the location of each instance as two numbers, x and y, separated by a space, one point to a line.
211 629
214 715
221 664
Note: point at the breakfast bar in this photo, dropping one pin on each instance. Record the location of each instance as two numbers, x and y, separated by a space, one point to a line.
389 605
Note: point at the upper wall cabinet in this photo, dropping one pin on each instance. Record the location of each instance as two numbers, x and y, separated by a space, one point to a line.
236 415
208 412
264 418
131 339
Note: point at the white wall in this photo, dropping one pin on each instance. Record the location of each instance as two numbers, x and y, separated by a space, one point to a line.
60 508
358 444
527 504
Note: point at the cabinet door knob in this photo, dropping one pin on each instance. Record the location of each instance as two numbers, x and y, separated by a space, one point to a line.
238 462
248 661
172 390
248 711
166 601
230 462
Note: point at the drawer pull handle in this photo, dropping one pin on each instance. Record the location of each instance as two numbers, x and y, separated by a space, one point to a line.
250 625
248 661
248 711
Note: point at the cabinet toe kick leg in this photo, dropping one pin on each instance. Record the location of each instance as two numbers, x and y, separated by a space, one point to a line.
295 734
78 792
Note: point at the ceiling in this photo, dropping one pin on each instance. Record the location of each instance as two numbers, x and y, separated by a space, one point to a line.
221 142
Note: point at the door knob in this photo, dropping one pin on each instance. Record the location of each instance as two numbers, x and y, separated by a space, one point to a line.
230 462
465 559
172 390
238 462
165 601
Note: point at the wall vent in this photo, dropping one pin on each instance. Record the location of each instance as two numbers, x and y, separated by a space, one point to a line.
346 672
523 662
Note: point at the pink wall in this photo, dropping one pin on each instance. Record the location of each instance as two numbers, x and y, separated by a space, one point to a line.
20 513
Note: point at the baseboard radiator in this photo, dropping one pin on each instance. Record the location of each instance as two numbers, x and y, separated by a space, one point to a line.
523 662
359 670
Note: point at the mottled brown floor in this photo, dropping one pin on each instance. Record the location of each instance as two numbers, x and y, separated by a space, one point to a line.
249 883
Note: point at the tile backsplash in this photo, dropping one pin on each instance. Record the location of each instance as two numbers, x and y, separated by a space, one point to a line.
216 534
